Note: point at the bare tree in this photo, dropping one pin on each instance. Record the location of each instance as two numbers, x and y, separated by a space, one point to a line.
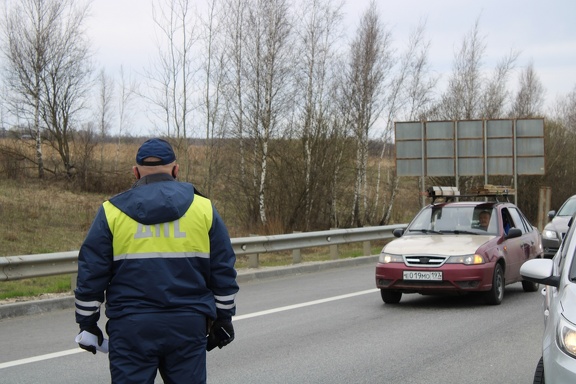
67 82
3 112
462 99
560 141
421 82
370 63
104 110
47 68
213 105
495 92
85 141
530 96
471 94
264 79
410 95
565 110
127 92
235 31
321 21
171 76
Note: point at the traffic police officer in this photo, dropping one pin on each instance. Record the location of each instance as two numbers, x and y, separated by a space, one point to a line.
160 256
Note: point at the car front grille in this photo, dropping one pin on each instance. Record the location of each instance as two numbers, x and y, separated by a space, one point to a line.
424 260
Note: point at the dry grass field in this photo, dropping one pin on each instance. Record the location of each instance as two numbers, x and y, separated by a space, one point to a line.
39 217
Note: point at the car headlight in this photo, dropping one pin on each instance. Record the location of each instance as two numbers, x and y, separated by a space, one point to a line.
466 259
548 234
386 258
566 333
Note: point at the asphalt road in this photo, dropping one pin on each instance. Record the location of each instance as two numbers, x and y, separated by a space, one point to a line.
329 326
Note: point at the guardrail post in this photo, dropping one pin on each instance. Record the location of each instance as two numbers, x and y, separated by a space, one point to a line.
296 253
253 261
73 280
296 256
367 248
333 249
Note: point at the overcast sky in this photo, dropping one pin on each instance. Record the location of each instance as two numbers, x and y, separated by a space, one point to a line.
544 31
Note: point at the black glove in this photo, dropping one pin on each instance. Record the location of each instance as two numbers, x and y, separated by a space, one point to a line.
93 329
221 334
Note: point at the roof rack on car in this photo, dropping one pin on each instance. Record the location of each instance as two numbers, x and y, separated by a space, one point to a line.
487 191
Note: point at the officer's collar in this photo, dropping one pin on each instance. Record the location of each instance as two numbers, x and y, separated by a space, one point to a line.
153 178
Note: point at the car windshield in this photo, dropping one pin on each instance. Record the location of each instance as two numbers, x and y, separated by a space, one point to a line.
568 208
455 220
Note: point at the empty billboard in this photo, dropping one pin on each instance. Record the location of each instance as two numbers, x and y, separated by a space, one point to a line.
470 147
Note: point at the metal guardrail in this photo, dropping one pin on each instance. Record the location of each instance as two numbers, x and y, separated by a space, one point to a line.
47 264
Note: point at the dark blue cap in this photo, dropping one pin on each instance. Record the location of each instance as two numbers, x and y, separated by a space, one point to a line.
155 148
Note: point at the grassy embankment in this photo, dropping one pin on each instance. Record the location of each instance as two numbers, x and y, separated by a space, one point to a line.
39 217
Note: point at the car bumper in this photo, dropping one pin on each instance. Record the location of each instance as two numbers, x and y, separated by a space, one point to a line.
455 278
559 368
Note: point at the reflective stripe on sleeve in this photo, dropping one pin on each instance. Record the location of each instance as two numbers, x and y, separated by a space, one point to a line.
225 302
224 306
94 303
225 298
87 308
86 313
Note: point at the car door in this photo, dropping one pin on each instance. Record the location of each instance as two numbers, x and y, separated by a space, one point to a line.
532 241
517 250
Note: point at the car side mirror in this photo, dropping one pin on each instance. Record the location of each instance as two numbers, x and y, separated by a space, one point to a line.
540 271
551 214
513 232
398 232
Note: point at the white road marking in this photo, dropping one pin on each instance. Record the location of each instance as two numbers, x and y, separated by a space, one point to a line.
306 304
48 356
34 359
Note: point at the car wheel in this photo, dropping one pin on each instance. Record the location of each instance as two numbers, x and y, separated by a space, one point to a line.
495 295
539 374
529 286
390 297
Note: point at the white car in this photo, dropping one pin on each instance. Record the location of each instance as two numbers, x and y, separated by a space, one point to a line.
555 230
558 362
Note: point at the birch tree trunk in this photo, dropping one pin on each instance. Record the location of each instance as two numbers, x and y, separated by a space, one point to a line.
370 62
320 21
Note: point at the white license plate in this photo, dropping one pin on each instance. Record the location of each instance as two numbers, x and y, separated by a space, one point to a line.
422 275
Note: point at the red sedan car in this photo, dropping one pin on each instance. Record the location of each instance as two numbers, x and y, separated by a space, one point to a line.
459 247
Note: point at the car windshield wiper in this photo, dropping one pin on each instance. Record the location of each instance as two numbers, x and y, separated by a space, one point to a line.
424 230
460 231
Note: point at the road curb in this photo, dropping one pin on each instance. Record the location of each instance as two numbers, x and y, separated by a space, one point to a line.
35 307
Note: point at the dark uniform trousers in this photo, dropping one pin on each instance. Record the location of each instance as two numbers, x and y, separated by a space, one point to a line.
171 343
